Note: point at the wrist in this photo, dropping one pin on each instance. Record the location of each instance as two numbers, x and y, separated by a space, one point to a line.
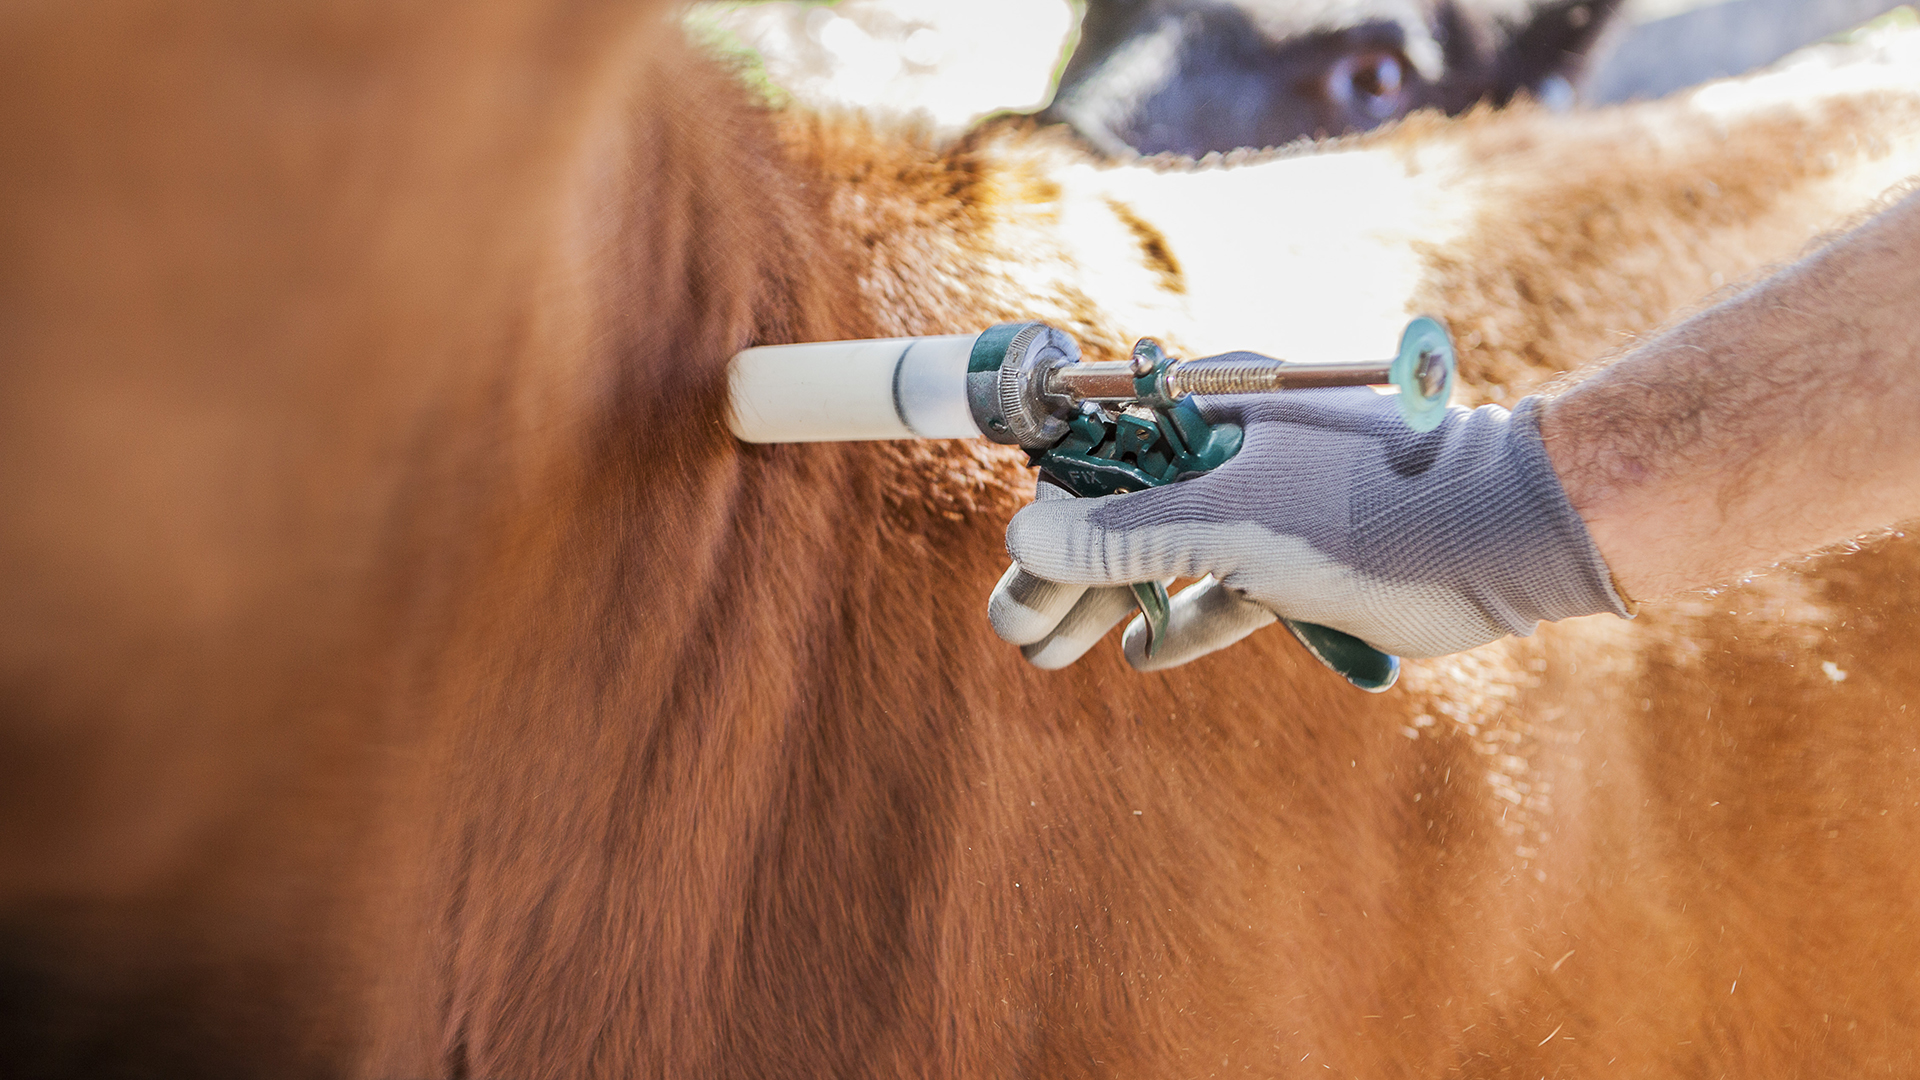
1590 573
1614 489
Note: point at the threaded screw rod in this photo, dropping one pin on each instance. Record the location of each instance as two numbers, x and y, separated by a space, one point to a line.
1260 376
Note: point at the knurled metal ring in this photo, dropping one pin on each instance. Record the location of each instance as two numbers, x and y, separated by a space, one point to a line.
1034 351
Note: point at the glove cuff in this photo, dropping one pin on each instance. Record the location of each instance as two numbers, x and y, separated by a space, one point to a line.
1568 576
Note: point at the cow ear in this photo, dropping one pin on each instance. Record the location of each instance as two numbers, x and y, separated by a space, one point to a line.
1552 44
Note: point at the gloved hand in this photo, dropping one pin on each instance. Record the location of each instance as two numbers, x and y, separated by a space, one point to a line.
1333 512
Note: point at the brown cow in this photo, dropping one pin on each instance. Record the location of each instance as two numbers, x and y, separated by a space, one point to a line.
403 674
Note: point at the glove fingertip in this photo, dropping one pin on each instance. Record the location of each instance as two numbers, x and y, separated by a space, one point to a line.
1023 608
1017 624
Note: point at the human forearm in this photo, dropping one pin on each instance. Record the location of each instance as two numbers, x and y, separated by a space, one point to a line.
1776 423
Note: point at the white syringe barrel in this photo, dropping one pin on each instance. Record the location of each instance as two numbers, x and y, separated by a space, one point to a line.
832 391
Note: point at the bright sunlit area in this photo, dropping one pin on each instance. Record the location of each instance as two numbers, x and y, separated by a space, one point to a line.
955 61
950 62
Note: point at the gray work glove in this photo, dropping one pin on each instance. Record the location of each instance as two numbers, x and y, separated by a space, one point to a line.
1333 512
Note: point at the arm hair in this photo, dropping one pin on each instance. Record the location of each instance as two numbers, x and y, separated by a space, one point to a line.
1771 425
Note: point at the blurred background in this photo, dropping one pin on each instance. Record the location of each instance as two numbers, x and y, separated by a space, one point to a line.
955 61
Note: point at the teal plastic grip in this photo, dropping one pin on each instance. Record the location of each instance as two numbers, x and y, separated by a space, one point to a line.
1356 661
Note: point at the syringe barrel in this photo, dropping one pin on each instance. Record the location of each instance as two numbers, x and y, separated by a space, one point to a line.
833 391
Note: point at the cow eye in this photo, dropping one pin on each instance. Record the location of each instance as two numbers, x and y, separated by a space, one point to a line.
1370 82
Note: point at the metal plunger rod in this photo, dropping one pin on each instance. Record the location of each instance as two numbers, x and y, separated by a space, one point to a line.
1105 380
1113 380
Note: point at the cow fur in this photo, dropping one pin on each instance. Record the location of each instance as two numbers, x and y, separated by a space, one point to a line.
403 673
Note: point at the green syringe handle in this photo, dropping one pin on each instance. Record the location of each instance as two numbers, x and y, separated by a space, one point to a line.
1157 606
1358 662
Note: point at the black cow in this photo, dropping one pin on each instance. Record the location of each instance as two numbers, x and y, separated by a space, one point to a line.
1192 76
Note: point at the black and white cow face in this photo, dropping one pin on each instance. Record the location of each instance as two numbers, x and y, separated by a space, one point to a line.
1191 76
